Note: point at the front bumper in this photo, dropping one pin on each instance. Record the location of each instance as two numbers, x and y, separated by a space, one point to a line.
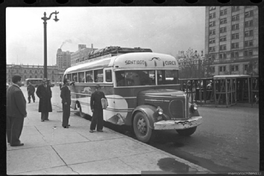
178 124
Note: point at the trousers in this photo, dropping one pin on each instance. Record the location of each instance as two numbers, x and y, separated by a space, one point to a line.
65 114
29 97
44 115
14 126
97 120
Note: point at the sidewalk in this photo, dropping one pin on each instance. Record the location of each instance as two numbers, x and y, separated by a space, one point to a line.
51 149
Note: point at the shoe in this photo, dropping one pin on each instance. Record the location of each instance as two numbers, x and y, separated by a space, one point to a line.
100 130
42 120
65 127
68 125
17 145
91 131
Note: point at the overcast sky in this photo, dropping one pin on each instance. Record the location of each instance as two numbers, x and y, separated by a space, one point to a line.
162 29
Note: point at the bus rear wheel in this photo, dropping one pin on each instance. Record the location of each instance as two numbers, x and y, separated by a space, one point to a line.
187 132
141 127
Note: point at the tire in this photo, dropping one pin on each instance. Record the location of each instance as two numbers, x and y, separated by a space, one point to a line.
141 128
187 132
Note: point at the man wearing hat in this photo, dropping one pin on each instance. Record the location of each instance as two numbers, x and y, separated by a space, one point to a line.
96 107
44 93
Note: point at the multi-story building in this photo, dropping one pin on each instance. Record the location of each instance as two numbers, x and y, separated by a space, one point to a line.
81 54
33 71
231 39
63 59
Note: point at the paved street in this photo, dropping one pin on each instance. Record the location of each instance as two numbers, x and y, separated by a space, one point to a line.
228 140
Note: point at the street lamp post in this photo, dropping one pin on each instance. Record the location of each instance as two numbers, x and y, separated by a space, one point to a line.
45 38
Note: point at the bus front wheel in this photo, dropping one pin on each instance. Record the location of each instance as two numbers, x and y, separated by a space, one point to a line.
141 127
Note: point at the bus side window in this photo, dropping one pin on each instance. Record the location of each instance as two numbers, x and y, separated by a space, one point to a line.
81 76
89 76
74 77
98 75
108 75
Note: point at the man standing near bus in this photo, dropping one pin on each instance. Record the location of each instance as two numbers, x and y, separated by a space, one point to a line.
16 112
44 93
97 109
31 92
66 102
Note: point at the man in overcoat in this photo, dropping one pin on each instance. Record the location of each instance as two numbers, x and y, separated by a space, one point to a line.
96 107
44 93
66 102
31 92
16 112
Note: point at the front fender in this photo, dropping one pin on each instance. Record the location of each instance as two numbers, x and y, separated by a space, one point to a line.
148 110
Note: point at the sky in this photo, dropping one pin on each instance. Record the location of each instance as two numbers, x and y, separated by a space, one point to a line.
162 29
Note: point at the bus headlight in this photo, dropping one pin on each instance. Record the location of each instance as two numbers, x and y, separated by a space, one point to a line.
193 107
159 111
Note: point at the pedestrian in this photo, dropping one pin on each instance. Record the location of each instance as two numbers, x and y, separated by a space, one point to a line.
44 93
97 109
66 102
31 92
16 112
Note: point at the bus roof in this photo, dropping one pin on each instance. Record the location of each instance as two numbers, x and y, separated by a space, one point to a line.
34 79
142 60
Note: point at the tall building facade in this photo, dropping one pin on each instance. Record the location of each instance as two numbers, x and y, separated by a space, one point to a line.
231 39
63 59
33 71
81 54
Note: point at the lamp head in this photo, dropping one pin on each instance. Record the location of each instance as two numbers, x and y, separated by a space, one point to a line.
56 19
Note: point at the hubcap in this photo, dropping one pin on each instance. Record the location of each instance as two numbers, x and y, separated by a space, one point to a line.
142 127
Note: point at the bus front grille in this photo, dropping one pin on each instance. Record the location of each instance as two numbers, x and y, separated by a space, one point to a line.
177 109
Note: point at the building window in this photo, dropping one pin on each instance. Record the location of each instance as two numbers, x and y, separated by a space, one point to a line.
248 53
249 23
249 14
235 17
212 8
222 55
222 68
245 67
222 29
234 67
222 38
212 23
235 8
212 32
222 47
211 49
235 36
234 54
248 43
235 27
223 12
223 21
212 15
212 40
248 33
234 45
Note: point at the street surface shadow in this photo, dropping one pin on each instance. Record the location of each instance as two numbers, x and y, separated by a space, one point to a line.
171 165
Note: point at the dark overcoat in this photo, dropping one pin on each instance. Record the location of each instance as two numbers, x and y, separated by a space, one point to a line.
44 94
30 89
65 95
16 102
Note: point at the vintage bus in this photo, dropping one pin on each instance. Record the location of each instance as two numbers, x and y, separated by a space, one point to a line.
142 91
34 81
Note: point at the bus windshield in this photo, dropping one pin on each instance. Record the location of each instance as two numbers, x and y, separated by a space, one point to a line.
146 77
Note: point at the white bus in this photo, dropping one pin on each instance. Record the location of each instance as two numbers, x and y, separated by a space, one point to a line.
142 91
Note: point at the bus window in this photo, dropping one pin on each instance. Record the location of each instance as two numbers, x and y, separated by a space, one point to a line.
89 76
69 77
98 75
167 77
74 77
135 78
81 76
108 75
